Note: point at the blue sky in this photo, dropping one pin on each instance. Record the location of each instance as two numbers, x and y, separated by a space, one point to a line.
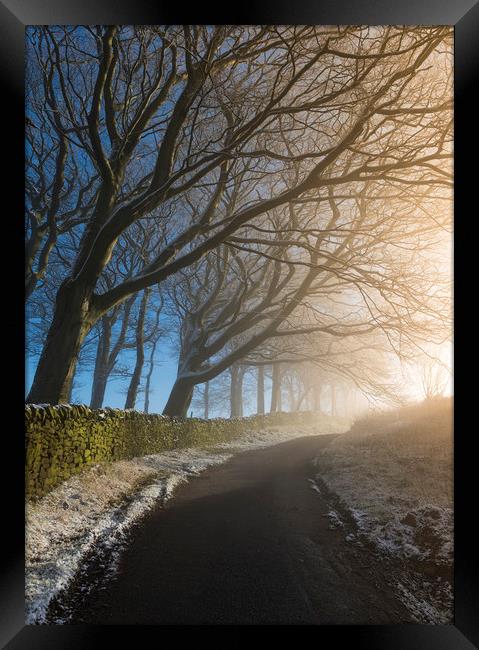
161 382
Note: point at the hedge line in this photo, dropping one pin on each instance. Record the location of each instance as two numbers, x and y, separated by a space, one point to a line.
62 440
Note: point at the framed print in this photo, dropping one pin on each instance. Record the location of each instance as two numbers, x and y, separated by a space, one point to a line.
246 255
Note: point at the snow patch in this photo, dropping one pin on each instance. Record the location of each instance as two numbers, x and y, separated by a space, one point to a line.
359 518
416 597
335 519
314 486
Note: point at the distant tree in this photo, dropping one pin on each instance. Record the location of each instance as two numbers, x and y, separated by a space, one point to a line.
154 337
434 378
108 350
239 298
260 391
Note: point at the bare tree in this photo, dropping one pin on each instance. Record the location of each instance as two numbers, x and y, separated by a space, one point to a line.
140 353
154 337
237 372
213 397
276 393
260 391
58 196
165 118
434 378
108 351
128 257
346 287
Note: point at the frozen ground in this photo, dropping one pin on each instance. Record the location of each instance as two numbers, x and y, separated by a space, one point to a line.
95 509
394 478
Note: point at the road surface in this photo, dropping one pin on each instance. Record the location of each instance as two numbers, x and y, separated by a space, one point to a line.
246 542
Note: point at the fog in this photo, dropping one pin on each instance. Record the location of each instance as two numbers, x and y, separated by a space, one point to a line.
230 223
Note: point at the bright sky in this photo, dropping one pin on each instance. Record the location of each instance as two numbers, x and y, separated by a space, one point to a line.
414 373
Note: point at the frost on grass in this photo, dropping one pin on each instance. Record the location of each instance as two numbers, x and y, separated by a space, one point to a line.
416 595
97 508
394 475
276 435
314 486
335 519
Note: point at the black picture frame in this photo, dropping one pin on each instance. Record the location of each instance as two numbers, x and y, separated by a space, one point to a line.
464 16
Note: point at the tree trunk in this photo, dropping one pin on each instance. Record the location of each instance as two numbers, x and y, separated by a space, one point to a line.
333 399
344 402
179 399
292 398
140 354
239 393
310 399
353 402
73 319
207 400
303 394
99 387
260 391
276 389
233 380
100 373
317 398
146 406
31 249
236 391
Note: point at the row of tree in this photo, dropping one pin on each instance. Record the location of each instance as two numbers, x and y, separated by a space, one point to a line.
290 388
269 196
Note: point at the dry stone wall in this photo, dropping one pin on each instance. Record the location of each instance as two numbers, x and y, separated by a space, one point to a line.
63 440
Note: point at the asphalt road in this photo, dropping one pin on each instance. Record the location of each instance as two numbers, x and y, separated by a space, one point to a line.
247 542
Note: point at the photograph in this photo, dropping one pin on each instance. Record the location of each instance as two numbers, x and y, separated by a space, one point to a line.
244 347
238 300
